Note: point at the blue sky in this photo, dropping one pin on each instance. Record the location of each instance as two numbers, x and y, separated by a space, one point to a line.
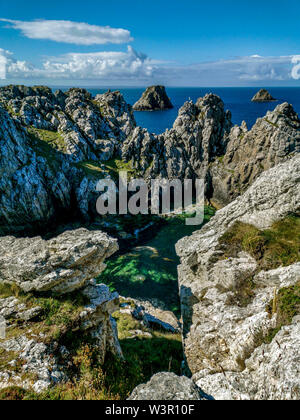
178 43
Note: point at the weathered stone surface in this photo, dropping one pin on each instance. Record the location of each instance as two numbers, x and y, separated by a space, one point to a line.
153 99
199 134
263 96
272 140
67 263
167 387
154 317
219 334
44 137
272 372
62 264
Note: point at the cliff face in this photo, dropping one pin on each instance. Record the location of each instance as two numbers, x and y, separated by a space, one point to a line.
54 148
203 144
46 141
199 134
240 329
47 322
248 153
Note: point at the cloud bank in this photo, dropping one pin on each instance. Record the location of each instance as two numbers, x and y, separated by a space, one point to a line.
134 68
296 68
70 32
86 66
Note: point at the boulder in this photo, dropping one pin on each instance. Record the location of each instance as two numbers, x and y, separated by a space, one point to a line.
167 387
40 280
263 96
60 265
153 99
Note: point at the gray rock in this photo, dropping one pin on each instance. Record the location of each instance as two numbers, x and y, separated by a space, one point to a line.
272 140
62 264
154 317
153 99
167 387
263 96
219 335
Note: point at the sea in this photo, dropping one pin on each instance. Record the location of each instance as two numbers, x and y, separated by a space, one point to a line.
237 100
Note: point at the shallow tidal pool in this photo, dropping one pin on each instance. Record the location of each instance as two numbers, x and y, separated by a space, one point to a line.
149 271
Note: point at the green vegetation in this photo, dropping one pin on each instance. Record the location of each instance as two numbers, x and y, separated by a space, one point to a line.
44 148
273 124
286 305
13 393
91 168
52 138
115 379
243 292
58 315
150 271
111 167
272 248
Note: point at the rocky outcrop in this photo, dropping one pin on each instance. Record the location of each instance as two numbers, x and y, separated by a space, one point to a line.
61 265
226 336
199 134
150 316
47 296
263 96
153 99
272 140
45 141
167 387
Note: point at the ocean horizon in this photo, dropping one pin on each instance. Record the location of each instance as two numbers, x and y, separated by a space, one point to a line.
236 99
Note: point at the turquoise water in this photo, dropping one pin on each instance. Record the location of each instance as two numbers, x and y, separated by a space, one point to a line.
237 100
149 271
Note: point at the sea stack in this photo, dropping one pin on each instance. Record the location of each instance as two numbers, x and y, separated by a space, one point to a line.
154 98
263 96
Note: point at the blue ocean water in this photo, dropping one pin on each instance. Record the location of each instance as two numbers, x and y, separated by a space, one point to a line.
237 100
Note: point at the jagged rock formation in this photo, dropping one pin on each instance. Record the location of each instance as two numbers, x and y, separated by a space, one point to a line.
224 334
167 387
263 96
199 134
248 153
54 147
154 98
33 354
45 140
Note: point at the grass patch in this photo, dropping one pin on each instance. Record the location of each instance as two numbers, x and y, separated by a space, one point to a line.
276 247
243 292
286 305
52 138
116 379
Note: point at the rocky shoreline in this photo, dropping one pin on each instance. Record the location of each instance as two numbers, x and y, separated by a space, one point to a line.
238 277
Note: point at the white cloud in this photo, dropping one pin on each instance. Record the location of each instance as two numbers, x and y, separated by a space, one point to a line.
3 63
129 65
70 32
296 69
132 68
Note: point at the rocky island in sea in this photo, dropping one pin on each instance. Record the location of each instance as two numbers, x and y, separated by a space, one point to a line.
69 334
263 96
154 98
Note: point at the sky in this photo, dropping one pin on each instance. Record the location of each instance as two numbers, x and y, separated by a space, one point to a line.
141 42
